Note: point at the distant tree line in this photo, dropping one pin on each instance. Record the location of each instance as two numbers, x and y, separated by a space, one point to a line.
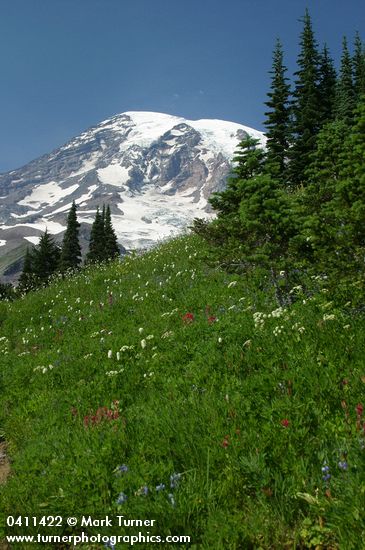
48 258
297 208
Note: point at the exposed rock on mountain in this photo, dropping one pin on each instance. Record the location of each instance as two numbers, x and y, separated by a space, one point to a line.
156 171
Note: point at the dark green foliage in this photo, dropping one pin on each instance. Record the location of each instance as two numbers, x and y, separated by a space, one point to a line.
103 244
317 212
7 291
305 217
351 187
255 222
96 244
45 258
111 249
306 119
278 116
71 251
345 94
359 68
248 163
327 86
27 279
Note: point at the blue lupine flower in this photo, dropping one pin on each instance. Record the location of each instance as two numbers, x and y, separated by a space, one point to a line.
160 487
123 468
343 465
174 480
145 490
122 498
326 477
109 545
325 469
171 499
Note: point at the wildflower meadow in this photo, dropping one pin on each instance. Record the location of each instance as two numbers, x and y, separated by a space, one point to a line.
159 387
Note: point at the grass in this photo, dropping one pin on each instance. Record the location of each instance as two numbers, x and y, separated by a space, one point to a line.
125 375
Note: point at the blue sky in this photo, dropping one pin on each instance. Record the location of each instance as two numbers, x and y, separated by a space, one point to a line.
68 64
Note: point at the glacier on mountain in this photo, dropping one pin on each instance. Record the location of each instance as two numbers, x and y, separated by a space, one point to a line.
155 170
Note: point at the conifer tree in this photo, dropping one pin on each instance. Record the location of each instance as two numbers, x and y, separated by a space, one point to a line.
345 94
278 117
46 258
351 187
96 244
327 86
359 68
103 213
71 251
111 248
248 162
306 105
26 280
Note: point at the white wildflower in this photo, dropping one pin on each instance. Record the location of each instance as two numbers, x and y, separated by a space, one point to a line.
278 312
143 343
329 317
110 353
167 334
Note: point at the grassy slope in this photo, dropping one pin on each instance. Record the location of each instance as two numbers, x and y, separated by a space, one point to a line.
205 399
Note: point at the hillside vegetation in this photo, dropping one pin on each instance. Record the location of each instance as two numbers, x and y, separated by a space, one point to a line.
157 387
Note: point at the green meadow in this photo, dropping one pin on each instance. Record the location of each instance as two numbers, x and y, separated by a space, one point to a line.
160 388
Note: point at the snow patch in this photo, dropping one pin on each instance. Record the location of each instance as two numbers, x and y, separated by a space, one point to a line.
46 193
34 240
114 174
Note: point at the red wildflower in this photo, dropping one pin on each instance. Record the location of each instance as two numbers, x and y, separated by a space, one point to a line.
285 422
211 319
188 318
225 442
359 409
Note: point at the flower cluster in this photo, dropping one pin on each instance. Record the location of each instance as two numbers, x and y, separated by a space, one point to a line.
102 414
188 318
42 369
144 490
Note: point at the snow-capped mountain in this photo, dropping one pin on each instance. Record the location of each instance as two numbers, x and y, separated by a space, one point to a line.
155 170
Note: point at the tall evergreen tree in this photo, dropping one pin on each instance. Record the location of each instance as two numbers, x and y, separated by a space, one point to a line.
327 86
96 243
351 187
278 116
26 280
46 258
247 163
103 213
71 251
306 105
359 68
110 239
345 93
